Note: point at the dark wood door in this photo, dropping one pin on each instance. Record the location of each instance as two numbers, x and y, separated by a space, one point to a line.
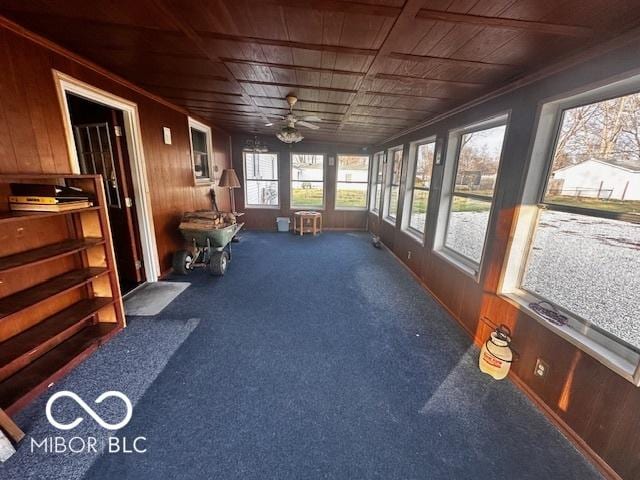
102 150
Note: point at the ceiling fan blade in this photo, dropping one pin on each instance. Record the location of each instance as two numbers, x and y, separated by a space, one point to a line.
311 118
275 116
307 124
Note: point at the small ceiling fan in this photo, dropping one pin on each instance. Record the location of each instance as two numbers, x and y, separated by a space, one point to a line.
289 133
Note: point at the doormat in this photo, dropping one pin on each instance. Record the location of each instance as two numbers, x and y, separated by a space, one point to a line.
152 298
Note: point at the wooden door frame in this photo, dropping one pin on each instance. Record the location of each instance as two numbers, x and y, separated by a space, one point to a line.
67 84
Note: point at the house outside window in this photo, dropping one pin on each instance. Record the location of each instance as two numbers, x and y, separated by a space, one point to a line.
261 180
574 262
352 182
307 181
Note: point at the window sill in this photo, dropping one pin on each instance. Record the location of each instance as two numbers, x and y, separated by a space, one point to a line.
414 234
453 259
303 209
203 182
391 220
622 366
262 207
350 209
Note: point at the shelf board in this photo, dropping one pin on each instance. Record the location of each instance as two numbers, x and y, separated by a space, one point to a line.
46 253
52 287
16 215
35 377
24 348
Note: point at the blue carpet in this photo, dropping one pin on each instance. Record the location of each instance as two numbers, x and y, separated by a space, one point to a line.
323 358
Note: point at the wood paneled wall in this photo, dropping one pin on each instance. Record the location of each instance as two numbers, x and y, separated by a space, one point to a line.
265 219
596 407
32 138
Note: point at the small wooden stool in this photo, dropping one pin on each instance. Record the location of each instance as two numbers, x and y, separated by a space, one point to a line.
307 222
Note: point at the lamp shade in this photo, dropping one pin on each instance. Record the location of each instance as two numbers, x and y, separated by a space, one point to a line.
229 179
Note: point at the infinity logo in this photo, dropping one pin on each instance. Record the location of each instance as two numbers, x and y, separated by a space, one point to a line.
89 410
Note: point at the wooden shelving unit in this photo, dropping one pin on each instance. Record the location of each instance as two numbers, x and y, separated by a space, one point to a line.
59 292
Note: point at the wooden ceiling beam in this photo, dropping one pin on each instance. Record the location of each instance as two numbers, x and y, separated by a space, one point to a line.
397 32
506 23
288 44
408 80
194 37
359 8
283 66
183 89
406 57
204 100
416 94
304 100
382 107
295 86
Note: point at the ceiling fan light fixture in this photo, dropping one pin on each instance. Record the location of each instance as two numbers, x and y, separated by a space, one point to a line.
289 135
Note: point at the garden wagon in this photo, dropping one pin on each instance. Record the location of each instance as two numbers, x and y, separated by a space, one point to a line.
209 236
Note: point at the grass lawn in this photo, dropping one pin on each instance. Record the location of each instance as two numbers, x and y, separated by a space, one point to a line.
306 197
312 197
620 206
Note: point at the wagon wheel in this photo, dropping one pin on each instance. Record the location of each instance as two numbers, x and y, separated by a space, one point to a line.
182 262
218 263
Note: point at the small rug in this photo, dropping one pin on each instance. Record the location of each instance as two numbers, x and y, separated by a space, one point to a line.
153 298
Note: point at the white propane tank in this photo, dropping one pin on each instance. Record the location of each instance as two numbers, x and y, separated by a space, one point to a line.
495 355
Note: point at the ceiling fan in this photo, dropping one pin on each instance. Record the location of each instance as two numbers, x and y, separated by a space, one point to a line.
289 133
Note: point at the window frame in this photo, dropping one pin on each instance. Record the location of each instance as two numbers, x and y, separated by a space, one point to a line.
201 127
411 188
247 205
366 182
292 207
377 163
457 259
388 181
611 352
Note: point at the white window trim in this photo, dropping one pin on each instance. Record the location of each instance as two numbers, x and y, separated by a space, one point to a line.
387 179
606 350
295 208
376 159
367 183
461 262
412 164
196 125
249 206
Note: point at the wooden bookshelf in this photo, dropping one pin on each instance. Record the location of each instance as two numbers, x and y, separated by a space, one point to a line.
59 292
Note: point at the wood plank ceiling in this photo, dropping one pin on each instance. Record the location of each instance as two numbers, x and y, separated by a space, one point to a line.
369 68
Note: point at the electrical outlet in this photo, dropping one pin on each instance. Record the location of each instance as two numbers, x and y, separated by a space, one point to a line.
409 255
541 369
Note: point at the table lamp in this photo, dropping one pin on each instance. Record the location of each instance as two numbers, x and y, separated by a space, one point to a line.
229 180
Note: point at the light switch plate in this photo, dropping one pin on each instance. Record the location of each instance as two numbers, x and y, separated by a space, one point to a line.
166 133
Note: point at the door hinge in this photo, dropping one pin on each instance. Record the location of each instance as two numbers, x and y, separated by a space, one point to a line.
118 130
128 202
138 264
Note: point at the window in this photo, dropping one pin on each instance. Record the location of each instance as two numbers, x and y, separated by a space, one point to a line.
577 244
307 181
418 196
376 185
393 188
470 179
201 148
352 183
261 180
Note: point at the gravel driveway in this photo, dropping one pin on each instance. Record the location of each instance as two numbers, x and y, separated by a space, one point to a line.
590 266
